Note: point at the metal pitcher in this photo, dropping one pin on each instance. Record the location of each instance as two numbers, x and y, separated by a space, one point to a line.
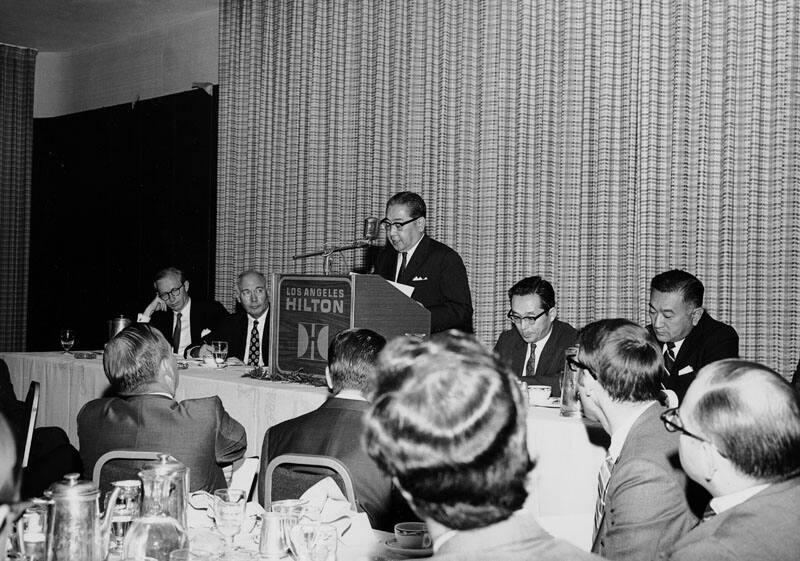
116 325
166 473
77 530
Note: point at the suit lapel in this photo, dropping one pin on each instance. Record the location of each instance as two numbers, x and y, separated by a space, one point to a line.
689 345
419 257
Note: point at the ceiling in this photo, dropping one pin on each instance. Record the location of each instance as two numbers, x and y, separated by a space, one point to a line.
70 25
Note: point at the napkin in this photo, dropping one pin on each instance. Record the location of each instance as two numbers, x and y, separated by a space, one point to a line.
326 498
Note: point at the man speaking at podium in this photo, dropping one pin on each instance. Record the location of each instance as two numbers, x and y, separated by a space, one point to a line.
435 271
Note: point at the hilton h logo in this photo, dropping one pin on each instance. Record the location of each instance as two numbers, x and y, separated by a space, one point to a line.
312 341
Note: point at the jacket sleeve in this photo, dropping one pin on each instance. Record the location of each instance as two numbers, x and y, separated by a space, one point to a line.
456 309
231 440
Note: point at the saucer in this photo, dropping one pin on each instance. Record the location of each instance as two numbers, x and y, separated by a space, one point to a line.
394 547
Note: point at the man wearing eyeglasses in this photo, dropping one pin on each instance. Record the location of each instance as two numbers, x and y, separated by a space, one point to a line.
739 428
534 347
690 338
434 270
182 321
642 506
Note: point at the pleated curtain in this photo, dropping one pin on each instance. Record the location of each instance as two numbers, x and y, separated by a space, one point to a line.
593 142
17 65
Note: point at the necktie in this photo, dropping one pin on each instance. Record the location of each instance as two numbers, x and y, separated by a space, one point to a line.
176 334
530 368
602 486
252 356
669 357
402 267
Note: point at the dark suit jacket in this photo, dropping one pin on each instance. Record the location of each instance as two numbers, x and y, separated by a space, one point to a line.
335 430
203 315
765 527
233 329
197 432
439 278
512 348
519 538
708 341
647 508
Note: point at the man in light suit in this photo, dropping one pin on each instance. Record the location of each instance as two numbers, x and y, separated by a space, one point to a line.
246 331
739 427
459 457
690 338
435 271
642 504
335 428
534 347
145 416
180 319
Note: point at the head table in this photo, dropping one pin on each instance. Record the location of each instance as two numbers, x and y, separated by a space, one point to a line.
567 451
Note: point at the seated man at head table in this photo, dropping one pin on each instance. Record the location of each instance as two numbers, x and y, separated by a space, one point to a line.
689 337
181 320
246 331
335 429
434 270
448 424
739 427
144 414
10 508
642 504
534 347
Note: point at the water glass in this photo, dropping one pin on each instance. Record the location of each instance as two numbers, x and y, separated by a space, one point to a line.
570 400
32 529
314 541
67 338
229 506
189 555
220 350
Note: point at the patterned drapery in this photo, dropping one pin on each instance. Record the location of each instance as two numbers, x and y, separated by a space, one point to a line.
596 143
17 66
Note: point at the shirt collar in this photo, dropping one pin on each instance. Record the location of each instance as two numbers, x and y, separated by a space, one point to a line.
350 394
184 312
621 434
725 502
261 318
411 250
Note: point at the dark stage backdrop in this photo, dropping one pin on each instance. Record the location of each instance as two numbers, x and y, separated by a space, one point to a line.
118 193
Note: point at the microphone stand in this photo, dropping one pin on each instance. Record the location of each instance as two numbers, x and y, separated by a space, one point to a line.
329 251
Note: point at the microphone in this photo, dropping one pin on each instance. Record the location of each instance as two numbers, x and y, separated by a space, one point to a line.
370 228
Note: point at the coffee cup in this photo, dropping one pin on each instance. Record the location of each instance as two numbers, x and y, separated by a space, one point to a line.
539 395
412 535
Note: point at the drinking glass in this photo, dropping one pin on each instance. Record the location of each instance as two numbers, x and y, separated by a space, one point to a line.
229 508
314 541
127 507
220 350
32 529
67 337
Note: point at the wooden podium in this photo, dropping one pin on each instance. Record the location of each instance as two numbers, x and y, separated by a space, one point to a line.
307 311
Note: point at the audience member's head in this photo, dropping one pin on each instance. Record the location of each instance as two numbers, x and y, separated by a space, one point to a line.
448 424
137 358
352 356
405 220
9 482
676 304
740 425
533 308
251 291
173 288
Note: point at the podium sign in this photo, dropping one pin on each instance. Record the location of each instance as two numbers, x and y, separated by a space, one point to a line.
309 311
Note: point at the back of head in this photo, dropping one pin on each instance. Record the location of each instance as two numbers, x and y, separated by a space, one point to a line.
624 357
448 422
752 415
132 358
535 285
680 281
415 203
9 464
352 355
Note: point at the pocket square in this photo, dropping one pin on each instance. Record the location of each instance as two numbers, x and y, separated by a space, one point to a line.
416 279
204 332
685 370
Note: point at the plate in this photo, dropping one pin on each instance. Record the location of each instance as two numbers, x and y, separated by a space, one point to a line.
394 547
552 402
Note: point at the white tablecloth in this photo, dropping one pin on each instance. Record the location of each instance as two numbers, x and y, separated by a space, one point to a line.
562 488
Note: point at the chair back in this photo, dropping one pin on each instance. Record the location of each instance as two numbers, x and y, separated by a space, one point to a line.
289 475
134 459
30 411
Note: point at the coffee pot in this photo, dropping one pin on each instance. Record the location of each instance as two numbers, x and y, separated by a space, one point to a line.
77 530
116 325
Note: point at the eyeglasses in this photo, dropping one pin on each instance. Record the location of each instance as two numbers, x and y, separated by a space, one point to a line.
388 224
576 365
170 293
517 319
15 512
672 422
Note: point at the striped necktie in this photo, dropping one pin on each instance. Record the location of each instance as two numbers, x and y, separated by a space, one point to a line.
669 357
602 487
530 368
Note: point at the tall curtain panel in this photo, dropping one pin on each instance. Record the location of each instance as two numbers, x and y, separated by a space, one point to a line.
17 65
595 143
